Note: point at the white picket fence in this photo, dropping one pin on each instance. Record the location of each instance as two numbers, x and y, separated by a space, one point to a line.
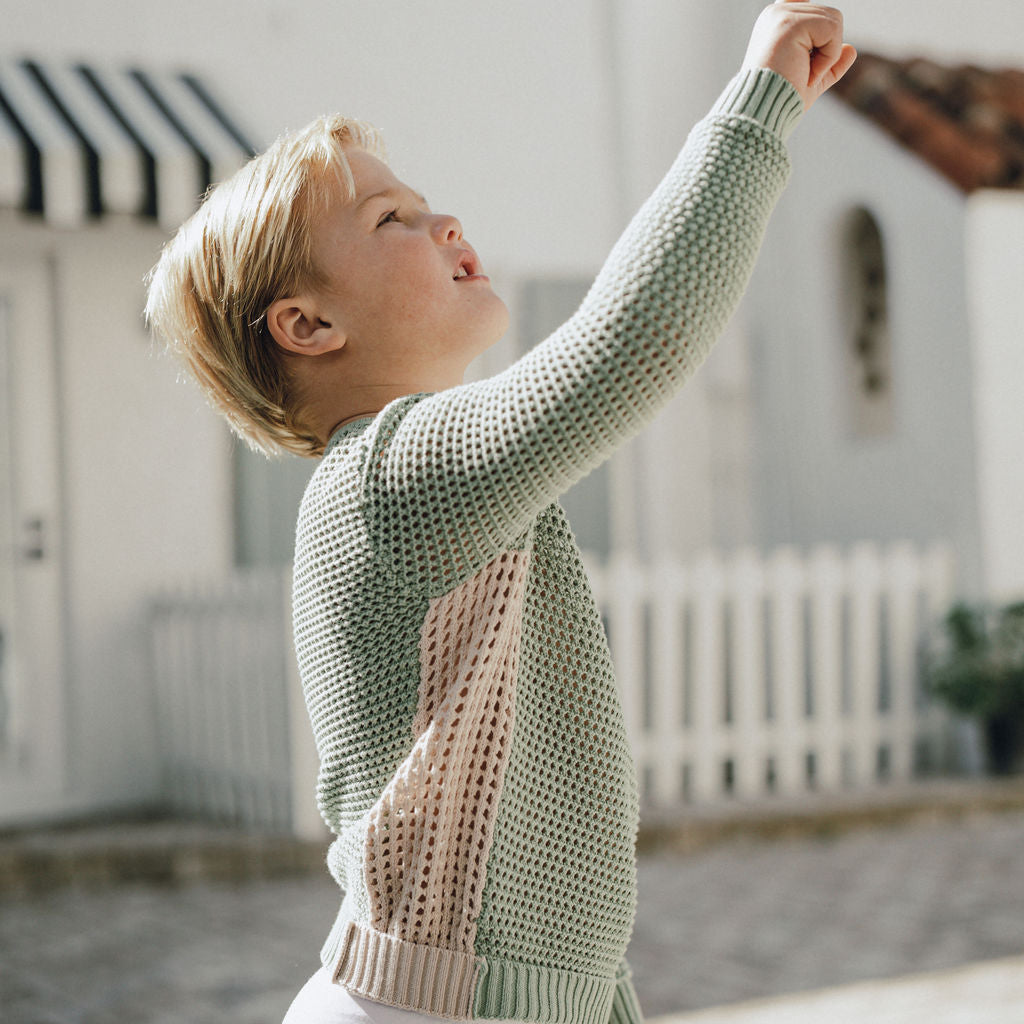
235 742
754 675
745 676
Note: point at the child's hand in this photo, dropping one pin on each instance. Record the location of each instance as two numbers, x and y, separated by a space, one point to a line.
804 43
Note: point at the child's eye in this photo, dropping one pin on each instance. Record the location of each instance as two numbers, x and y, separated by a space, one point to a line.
392 215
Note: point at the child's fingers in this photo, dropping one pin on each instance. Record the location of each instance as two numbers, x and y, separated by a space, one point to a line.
836 71
824 54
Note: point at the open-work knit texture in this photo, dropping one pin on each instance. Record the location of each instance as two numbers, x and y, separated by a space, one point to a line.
474 763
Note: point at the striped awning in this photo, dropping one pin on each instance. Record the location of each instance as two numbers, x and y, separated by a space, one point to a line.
80 141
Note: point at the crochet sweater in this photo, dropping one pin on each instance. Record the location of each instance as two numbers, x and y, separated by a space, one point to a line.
474 764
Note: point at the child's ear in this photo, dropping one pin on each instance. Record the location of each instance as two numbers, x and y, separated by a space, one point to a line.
296 326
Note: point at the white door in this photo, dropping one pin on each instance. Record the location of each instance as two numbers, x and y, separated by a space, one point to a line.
33 711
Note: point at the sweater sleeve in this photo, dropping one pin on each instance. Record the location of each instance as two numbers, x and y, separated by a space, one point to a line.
456 477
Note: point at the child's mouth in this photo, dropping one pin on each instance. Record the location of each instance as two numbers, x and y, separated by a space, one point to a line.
467 268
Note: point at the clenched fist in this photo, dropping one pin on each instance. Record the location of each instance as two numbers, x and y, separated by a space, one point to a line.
804 43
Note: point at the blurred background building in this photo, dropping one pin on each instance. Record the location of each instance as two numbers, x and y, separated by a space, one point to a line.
868 389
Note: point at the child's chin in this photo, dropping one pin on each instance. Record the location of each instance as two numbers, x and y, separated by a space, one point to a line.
501 321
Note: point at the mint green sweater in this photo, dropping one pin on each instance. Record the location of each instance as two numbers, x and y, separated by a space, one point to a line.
474 764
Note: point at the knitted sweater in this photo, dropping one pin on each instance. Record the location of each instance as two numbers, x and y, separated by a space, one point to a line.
474 764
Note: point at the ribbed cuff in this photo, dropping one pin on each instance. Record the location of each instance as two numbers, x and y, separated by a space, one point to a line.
404 974
763 96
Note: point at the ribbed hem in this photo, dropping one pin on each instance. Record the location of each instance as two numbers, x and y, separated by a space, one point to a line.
461 986
515 991
389 970
764 96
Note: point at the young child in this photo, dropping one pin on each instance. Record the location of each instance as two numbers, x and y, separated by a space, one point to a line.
474 765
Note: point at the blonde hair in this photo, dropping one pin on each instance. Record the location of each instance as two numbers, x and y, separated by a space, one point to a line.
247 245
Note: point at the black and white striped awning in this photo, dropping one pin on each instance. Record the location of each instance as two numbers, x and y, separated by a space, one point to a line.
79 141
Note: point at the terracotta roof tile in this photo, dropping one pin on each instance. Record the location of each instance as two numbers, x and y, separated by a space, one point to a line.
966 121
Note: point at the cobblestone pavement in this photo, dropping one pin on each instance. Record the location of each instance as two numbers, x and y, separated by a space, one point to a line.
752 919
742 919
990 992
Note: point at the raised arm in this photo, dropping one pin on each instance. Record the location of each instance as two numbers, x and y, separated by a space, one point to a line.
471 467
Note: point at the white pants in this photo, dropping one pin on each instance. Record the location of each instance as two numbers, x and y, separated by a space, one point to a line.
320 1001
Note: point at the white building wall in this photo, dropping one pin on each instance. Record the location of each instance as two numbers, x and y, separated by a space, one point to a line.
995 272
816 480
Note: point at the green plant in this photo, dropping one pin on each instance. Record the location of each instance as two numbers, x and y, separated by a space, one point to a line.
980 668
977 667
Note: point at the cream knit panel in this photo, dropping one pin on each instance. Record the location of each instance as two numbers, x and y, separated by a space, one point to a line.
430 833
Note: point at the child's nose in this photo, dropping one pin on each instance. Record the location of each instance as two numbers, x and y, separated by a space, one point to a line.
446 228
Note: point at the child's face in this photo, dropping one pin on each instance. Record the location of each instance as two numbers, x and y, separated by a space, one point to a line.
405 287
